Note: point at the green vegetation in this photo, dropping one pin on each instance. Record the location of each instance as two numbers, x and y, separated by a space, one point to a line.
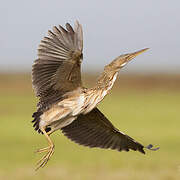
149 116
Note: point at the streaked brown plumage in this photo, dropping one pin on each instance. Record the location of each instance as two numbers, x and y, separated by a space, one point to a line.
65 104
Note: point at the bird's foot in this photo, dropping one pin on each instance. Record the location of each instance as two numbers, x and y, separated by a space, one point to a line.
150 147
43 161
42 150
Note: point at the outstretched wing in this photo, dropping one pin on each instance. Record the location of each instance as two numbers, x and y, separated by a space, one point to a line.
95 130
57 69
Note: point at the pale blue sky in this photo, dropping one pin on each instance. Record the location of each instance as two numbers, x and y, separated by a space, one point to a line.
110 29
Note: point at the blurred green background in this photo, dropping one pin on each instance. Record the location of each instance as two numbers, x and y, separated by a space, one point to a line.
144 104
146 107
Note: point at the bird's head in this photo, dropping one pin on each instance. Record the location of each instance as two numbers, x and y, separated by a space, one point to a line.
122 60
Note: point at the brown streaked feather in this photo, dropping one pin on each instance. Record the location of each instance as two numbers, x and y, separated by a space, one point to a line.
57 69
95 130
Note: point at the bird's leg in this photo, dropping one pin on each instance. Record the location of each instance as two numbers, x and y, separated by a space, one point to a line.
50 150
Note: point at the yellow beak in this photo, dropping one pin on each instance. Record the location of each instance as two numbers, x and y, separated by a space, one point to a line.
130 56
133 55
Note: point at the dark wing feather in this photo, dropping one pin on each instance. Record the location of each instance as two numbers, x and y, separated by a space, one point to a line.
57 69
95 130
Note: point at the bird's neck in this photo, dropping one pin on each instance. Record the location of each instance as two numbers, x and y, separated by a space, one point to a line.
106 80
95 95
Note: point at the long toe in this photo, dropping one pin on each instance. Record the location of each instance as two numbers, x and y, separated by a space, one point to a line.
43 149
43 161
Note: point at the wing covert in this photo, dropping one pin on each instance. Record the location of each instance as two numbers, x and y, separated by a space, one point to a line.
58 67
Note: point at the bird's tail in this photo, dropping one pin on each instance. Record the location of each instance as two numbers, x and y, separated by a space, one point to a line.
36 120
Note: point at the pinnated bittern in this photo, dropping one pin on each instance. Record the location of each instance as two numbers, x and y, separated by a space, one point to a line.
65 104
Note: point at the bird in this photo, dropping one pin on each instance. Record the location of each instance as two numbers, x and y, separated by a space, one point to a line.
65 104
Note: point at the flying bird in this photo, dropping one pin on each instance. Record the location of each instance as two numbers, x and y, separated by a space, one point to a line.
65 104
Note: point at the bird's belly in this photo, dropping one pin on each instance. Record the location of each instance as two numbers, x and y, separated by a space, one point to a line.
54 114
61 123
62 113
66 111
56 120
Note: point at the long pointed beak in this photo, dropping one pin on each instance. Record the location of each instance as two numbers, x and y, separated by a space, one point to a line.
133 55
130 56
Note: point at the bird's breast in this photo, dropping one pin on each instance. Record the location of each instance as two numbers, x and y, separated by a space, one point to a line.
92 98
95 96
